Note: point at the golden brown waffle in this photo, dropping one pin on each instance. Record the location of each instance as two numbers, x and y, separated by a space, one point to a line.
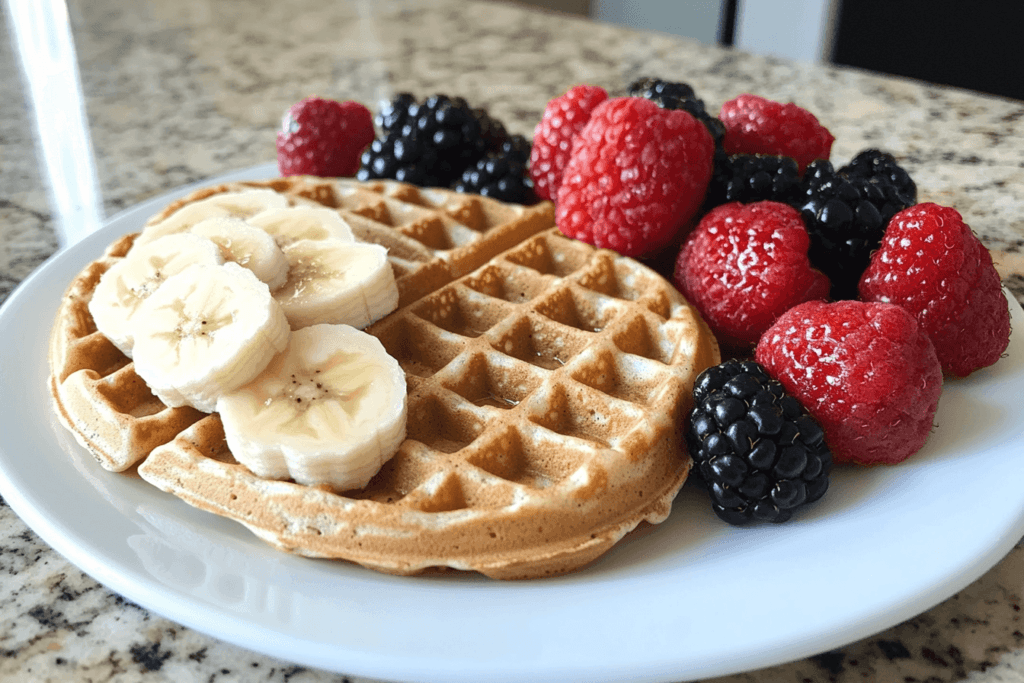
547 384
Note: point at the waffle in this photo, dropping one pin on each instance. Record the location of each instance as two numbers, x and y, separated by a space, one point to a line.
547 382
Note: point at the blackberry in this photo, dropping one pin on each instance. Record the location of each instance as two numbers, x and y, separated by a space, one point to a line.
394 114
846 213
433 142
502 175
676 95
753 177
755 447
872 163
492 130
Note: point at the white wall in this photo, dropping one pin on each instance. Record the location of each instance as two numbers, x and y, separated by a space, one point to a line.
794 29
697 19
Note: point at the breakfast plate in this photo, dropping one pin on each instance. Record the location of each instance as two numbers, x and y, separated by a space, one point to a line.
688 599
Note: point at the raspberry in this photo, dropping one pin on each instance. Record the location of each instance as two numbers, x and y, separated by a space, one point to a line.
746 264
866 371
637 174
933 265
563 118
323 138
754 125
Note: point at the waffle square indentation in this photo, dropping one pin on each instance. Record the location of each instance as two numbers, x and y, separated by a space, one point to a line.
626 377
441 427
550 255
502 283
527 460
461 311
581 413
575 309
539 343
637 338
488 380
416 346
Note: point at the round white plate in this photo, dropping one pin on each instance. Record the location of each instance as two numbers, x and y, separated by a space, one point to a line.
691 598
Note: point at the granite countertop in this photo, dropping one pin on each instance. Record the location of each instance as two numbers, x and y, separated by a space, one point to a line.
178 92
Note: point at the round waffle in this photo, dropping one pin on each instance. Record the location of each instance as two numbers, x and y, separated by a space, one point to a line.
547 383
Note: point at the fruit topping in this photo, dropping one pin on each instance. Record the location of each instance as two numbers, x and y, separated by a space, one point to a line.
932 264
744 265
502 174
758 451
866 371
323 138
676 95
328 411
755 125
846 213
636 176
753 177
431 144
563 118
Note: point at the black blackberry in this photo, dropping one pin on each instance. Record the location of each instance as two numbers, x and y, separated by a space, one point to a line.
492 130
846 214
501 176
393 114
400 157
874 163
753 177
433 142
676 95
759 452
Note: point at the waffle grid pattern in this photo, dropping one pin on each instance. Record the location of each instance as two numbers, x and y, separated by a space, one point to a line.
547 380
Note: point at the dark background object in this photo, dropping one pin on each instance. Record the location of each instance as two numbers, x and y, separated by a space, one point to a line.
974 44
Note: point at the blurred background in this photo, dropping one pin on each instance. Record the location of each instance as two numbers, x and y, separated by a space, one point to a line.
974 45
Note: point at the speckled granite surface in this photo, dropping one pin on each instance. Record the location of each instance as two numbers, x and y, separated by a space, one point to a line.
177 92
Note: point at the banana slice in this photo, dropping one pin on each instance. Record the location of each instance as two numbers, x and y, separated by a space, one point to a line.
302 223
205 331
248 246
330 410
241 204
336 282
123 288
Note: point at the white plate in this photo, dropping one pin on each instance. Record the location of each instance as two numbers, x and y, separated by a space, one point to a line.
692 598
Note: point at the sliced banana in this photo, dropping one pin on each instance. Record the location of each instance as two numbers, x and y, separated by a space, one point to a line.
330 410
242 204
248 246
123 288
205 331
336 282
303 223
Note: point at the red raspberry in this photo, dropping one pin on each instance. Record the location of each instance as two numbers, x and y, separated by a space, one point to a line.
746 264
933 265
754 125
323 138
866 371
637 174
564 117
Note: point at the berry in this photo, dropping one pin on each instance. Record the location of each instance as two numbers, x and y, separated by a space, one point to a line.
431 144
744 265
753 177
676 95
393 115
846 216
874 163
637 175
564 117
755 447
933 265
755 125
866 371
502 175
323 138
